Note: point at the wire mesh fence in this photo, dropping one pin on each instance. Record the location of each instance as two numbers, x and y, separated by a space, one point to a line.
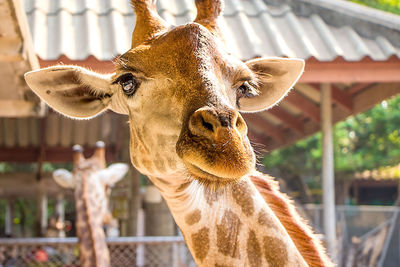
124 251
364 234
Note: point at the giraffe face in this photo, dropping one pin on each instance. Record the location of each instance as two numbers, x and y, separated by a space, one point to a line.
182 92
184 110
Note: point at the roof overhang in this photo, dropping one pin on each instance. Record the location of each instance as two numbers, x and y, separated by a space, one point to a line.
17 56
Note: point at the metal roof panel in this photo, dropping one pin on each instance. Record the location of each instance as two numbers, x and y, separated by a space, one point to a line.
101 28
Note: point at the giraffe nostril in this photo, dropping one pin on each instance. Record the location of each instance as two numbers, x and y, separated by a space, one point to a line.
207 125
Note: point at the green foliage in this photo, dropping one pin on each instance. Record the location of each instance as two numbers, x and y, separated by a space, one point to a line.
392 6
363 142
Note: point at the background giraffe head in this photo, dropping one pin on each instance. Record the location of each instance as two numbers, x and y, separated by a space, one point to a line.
94 173
182 91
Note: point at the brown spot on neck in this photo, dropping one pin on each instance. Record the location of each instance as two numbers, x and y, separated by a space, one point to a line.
253 250
275 251
264 219
212 195
227 234
193 217
242 194
201 243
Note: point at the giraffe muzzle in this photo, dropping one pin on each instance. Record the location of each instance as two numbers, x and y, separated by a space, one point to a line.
217 125
215 146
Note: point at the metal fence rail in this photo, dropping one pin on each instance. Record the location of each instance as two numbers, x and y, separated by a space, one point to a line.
124 251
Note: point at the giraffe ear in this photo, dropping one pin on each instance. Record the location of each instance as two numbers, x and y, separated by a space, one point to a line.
113 174
71 90
276 77
64 178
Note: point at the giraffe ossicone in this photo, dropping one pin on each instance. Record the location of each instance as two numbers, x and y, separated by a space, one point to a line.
91 181
183 93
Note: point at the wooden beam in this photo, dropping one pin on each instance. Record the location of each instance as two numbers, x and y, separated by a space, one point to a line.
358 87
374 95
51 154
307 106
339 97
10 46
342 98
289 120
341 71
28 48
267 128
17 108
11 58
363 101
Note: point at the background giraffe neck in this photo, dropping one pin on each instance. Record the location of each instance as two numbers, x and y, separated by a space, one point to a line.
229 226
88 202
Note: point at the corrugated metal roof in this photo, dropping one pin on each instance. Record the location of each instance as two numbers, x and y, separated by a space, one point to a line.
60 131
102 28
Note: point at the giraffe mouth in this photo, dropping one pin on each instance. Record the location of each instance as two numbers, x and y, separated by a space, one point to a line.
208 178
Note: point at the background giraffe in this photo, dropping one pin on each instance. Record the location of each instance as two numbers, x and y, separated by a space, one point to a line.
91 181
183 93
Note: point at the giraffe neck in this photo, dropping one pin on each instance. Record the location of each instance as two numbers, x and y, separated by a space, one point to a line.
229 226
89 202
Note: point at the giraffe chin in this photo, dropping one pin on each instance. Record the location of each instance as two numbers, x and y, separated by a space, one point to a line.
210 179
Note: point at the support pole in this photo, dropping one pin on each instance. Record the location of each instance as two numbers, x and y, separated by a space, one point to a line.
8 219
60 211
135 201
328 177
41 215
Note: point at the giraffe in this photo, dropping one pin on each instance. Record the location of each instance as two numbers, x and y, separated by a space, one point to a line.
91 181
183 93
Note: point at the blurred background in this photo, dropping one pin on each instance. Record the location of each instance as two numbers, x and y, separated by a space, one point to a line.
333 143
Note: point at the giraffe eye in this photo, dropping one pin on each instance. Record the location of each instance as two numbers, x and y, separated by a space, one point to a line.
247 90
128 83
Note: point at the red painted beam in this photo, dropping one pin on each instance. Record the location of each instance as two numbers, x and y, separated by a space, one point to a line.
304 104
340 97
358 87
50 154
285 117
267 128
342 71
336 71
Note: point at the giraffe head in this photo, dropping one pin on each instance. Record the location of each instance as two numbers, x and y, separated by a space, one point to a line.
182 92
94 168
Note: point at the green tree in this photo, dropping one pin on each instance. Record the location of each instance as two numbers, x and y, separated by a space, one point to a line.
385 5
363 142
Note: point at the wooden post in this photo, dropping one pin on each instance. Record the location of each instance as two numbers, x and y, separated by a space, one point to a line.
134 201
328 176
158 219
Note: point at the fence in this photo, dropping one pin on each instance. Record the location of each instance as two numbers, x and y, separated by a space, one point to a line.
362 228
124 251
